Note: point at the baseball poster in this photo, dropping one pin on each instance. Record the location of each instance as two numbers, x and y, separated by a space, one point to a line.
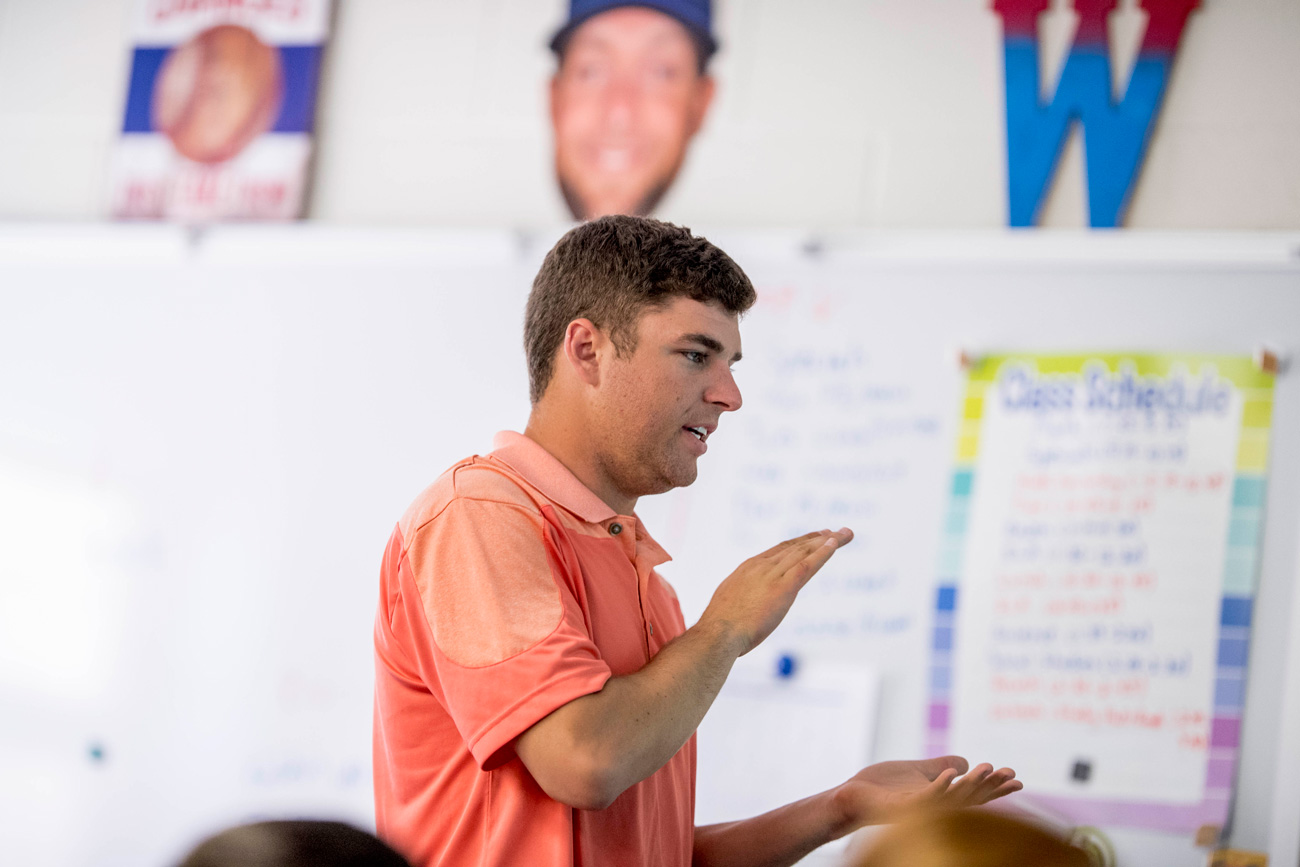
220 110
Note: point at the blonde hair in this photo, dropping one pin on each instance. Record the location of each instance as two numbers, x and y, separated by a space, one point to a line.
967 838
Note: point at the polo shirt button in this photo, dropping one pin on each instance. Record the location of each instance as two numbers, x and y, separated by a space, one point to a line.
615 529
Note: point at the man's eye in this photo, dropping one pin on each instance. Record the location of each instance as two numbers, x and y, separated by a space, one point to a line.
664 73
695 357
589 72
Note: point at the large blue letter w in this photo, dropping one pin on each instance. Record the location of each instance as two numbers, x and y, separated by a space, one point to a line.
1115 134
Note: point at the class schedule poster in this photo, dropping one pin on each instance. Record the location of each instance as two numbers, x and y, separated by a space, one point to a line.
220 109
1096 582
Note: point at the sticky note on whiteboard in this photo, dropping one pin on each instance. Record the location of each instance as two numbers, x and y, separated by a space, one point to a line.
771 739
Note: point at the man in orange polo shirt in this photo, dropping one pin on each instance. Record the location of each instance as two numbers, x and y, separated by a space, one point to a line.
537 691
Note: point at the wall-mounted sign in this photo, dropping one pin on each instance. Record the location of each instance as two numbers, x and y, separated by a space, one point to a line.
1098 572
1116 128
220 110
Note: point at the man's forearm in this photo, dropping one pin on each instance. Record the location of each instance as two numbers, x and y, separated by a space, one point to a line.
775 839
590 750
586 753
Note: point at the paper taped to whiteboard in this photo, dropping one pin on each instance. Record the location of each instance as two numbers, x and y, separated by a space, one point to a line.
770 739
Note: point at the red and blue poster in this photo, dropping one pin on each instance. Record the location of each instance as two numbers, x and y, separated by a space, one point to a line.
220 110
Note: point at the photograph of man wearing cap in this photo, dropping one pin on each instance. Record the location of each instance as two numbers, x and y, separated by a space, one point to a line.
630 92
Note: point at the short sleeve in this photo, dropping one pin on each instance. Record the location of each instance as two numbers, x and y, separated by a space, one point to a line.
510 639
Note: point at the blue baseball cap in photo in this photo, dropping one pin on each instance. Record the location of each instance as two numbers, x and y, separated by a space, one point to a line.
695 15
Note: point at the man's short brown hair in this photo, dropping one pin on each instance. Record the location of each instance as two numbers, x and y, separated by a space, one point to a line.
611 271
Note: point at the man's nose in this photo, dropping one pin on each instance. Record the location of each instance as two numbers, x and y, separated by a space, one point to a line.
621 98
725 393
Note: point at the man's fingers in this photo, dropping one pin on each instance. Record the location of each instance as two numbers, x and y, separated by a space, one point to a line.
968 786
995 779
998 777
1001 782
797 552
1005 789
844 535
983 784
812 545
933 767
813 557
810 565
940 786
780 547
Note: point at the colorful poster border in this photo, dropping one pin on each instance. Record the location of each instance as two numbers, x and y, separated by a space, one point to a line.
1240 575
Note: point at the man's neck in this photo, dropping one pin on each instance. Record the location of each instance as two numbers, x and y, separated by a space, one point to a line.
568 440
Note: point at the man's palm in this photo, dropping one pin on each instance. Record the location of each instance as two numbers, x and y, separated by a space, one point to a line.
881 792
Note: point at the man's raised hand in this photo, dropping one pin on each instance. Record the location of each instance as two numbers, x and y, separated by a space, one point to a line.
882 792
753 600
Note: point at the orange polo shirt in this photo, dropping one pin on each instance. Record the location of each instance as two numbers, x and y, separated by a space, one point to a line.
509 589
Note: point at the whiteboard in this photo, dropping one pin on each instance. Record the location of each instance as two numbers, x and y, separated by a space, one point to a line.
205 439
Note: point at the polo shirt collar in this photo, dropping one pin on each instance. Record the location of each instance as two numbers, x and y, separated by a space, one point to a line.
544 471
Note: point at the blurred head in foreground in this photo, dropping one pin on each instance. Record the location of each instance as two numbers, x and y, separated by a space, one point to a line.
299 843
629 94
967 838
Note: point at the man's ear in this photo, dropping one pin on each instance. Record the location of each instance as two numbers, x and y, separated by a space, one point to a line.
700 102
585 347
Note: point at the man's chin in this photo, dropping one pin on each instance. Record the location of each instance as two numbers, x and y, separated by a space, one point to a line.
637 202
683 476
673 477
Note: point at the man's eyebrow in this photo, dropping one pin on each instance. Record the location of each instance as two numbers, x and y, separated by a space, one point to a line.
710 343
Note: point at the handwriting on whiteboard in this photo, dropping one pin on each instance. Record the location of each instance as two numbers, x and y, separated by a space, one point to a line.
833 441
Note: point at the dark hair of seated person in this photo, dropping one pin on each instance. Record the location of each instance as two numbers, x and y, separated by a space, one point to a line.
294 843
